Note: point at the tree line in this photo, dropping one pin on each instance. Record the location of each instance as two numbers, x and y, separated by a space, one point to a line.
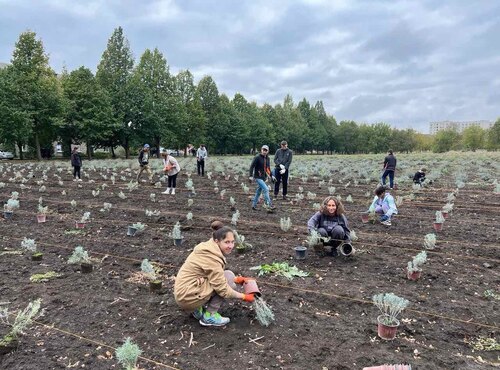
127 104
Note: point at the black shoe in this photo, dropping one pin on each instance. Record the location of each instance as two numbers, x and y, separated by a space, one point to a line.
285 197
254 208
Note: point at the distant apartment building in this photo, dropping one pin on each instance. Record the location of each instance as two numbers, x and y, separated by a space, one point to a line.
434 127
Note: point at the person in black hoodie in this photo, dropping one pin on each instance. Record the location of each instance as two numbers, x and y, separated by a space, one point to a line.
259 171
282 160
389 169
144 163
76 162
419 177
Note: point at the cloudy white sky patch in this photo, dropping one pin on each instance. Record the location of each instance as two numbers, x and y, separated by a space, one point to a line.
402 62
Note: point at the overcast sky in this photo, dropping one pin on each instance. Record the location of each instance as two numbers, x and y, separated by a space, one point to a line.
405 63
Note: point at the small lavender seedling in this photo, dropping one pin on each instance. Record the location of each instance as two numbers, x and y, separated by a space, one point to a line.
439 217
189 217
390 305
152 197
285 223
132 185
349 199
127 354
73 203
448 207
28 245
43 210
263 312
138 226
190 202
235 218
354 236
121 195
232 202
176 231
417 262
85 217
152 213
331 190
430 241
79 255
316 206
106 207
23 319
95 193
148 269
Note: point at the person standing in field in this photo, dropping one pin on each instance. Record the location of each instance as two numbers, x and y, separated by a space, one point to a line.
282 160
389 168
201 155
144 163
259 171
171 168
76 162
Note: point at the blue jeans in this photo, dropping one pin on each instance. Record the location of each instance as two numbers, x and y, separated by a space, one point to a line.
391 178
261 188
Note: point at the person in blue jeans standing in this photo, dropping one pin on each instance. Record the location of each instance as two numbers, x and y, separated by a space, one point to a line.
389 168
259 171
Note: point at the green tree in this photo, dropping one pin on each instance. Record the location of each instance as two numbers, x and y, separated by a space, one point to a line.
210 103
114 74
473 138
493 136
347 136
404 140
88 113
36 91
446 140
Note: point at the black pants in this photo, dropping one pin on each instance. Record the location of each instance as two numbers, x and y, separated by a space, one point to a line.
172 181
279 178
76 171
201 167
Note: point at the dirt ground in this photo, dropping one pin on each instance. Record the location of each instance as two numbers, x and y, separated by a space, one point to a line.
324 321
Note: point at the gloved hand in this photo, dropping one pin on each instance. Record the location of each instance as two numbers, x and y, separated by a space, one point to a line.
283 171
282 167
248 297
273 178
384 218
250 178
242 279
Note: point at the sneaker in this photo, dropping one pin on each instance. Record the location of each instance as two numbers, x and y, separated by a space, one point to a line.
213 319
79 180
166 191
254 208
198 313
386 223
74 180
285 197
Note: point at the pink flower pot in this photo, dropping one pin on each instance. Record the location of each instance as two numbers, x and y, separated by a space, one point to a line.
41 218
365 218
445 214
385 331
250 287
415 275
79 225
389 367
438 226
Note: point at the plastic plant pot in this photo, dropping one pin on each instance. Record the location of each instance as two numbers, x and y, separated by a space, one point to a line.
37 256
365 218
438 226
240 250
415 275
346 249
250 287
445 214
86 268
385 331
300 252
178 242
131 231
79 225
155 286
7 215
8 345
41 218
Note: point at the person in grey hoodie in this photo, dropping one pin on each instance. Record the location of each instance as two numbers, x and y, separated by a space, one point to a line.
282 160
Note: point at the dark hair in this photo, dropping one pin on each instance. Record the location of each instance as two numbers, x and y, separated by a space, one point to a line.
340 207
390 151
221 233
216 225
380 190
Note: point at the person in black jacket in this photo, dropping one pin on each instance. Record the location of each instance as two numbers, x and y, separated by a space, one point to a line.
419 177
282 160
144 163
76 162
389 169
259 171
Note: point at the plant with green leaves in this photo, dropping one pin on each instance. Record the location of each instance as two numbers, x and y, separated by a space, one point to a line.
240 243
127 354
73 203
448 207
23 319
490 293
190 202
349 199
390 305
331 190
430 241
11 205
43 278
176 233
132 185
311 195
417 262
263 313
28 245
148 269
122 195
354 237
282 269
79 256
106 207
285 223
235 218
439 217
85 217
314 239
139 226
152 213
484 344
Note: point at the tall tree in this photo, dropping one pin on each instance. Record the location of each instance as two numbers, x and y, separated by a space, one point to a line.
473 138
37 89
446 140
210 102
113 74
493 136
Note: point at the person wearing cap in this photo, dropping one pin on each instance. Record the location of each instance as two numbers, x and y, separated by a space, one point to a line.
144 163
282 160
76 162
259 171
201 155
419 177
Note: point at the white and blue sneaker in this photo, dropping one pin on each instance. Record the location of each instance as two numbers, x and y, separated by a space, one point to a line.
386 222
198 313
213 319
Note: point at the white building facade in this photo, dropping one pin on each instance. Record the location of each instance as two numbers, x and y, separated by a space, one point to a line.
434 127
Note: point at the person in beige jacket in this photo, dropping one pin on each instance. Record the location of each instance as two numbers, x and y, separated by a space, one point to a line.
202 284
171 168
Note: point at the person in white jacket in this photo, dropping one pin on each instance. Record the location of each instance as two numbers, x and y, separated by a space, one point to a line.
171 168
384 205
201 155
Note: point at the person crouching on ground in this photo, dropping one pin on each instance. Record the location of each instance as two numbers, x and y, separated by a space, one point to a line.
202 284
171 168
419 177
331 222
383 204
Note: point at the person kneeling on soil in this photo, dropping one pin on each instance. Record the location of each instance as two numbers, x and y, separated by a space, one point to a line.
383 204
419 177
331 222
202 283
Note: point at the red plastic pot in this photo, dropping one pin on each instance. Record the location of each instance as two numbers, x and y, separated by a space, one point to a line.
250 287
365 218
438 226
445 214
41 218
415 275
389 367
385 331
79 225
